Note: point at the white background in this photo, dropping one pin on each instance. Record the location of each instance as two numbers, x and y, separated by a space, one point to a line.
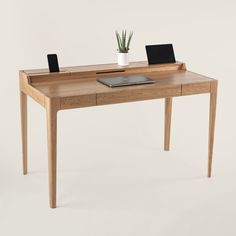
113 176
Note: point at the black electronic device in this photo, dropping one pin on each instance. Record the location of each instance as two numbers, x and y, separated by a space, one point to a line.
53 63
160 54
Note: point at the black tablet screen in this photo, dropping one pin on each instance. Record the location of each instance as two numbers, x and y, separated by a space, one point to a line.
158 54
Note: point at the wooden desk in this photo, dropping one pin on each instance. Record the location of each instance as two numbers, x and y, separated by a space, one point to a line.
76 87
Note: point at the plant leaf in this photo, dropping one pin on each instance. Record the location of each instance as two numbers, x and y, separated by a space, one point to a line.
129 39
123 45
118 41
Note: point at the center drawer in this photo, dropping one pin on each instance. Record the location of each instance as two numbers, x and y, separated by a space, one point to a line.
131 95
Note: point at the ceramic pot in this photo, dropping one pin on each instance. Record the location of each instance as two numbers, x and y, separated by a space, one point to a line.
123 59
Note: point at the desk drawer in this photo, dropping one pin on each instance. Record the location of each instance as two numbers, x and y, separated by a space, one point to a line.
196 88
131 95
78 101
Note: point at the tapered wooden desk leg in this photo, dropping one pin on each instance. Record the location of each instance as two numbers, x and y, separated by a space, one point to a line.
213 98
23 108
52 150
168 110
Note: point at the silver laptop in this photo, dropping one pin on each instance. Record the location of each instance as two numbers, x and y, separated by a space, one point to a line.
125 80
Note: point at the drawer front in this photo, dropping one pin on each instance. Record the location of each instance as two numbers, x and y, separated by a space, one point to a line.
137 95
196 88
78 101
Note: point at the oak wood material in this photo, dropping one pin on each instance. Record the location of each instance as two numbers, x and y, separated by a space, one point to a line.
75 87
196 88
52 106
168 111
213 99
23 106
80 72
75 101
141 93
165 80
30 90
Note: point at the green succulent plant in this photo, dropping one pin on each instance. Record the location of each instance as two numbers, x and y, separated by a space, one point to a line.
123 41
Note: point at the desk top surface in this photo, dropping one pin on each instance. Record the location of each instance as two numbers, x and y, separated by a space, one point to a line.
76 81
91 86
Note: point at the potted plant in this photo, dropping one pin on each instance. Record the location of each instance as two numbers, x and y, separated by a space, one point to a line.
123 47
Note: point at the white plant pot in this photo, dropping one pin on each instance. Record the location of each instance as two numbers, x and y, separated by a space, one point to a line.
123 59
